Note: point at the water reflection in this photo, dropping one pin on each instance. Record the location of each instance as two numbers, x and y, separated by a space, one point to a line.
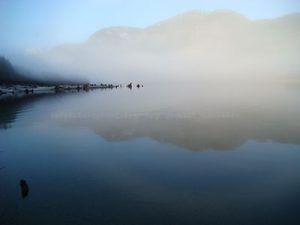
77 177
13 106
192 120
190 132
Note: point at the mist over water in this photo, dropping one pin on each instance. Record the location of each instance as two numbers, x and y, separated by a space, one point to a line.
196 117
195 46
212 137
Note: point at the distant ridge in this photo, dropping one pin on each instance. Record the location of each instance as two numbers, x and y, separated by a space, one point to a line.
201 45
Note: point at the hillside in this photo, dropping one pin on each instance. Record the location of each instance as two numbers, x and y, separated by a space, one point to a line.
217 45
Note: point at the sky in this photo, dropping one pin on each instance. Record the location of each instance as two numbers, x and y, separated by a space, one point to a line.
29 24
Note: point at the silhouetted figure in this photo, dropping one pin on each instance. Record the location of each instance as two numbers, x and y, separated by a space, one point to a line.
24 188
129 86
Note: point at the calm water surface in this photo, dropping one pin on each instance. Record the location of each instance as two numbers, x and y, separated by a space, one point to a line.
195 154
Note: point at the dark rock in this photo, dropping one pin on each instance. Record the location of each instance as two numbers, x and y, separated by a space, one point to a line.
129 86
24 188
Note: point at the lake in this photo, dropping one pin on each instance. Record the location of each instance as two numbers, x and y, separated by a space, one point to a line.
161 154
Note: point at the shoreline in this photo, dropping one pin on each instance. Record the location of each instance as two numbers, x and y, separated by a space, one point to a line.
19 90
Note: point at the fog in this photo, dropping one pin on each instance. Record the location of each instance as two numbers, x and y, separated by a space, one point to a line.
195 46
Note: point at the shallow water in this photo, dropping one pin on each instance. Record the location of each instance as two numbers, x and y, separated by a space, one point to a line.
197 154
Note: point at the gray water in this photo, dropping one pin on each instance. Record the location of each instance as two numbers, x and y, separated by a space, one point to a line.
196 154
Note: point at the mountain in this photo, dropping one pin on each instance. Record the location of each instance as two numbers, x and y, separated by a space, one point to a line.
194 45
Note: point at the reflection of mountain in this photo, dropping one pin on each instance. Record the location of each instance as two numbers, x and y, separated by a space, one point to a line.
199 132
205 122
200 45
190 125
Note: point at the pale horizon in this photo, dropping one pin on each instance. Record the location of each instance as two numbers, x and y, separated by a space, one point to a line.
46 24
186 47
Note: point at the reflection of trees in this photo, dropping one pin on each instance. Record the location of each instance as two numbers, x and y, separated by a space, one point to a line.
12 106
196 133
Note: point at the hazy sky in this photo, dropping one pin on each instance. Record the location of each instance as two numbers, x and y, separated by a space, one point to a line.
43 23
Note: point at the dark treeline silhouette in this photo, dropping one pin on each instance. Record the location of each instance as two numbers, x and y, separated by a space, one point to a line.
9 76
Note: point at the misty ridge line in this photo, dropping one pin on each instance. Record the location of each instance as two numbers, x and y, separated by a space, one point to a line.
194 46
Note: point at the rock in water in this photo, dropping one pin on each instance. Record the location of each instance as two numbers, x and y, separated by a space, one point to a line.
24 188
129 86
